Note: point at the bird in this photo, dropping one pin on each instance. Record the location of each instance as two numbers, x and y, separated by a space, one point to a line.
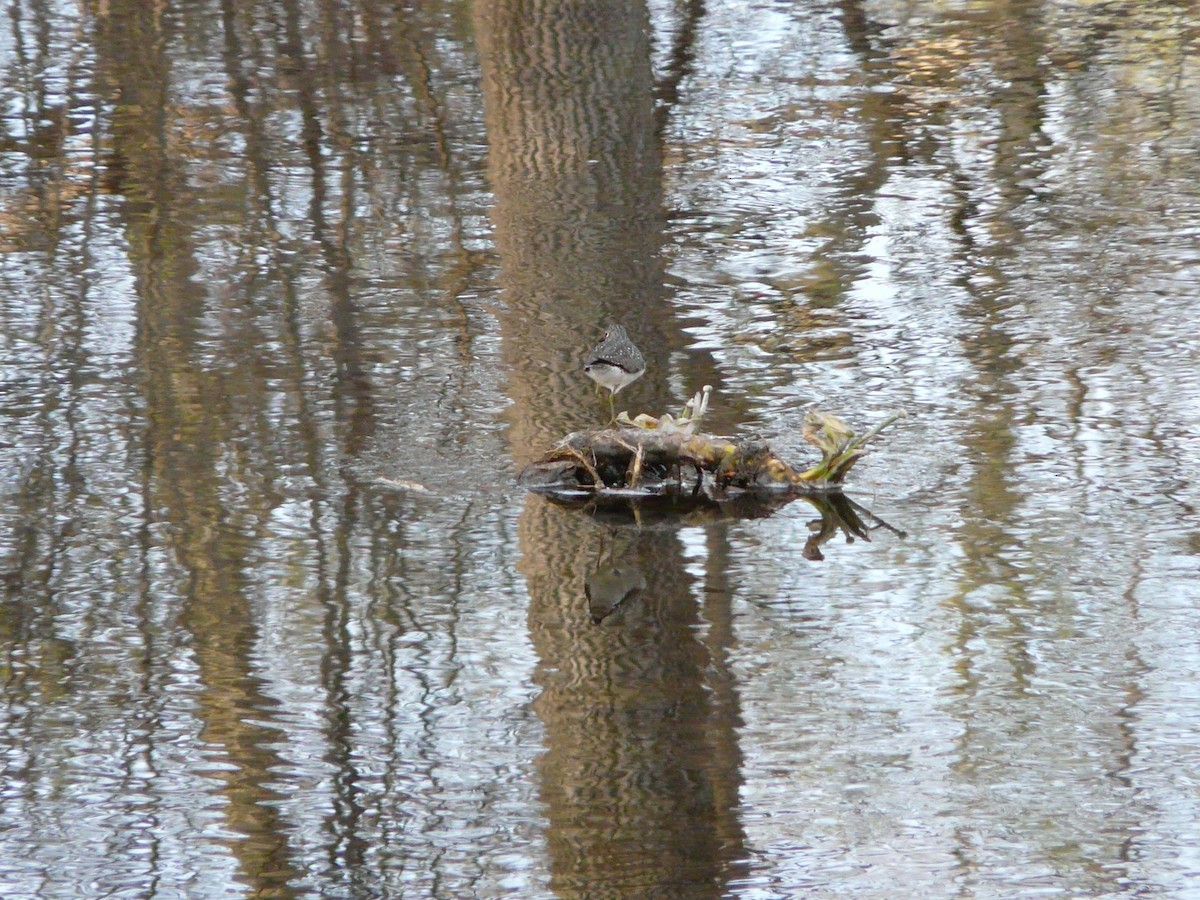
615 363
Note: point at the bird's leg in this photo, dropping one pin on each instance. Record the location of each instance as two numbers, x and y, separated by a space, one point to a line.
599 389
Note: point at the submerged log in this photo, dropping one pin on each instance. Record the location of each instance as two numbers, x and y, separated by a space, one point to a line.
645 453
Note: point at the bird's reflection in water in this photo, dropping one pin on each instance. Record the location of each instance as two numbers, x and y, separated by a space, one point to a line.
610 586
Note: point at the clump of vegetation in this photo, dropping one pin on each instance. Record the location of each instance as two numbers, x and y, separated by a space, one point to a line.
648 454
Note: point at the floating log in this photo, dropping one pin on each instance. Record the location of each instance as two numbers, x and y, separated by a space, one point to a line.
646 453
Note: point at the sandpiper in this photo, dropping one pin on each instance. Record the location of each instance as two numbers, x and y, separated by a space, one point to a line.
615 363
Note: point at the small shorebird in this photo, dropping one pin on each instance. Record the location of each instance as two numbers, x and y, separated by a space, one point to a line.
615 363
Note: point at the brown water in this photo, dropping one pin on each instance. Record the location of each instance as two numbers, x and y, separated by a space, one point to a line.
288 293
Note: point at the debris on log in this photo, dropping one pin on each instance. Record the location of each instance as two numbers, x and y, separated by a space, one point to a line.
646 454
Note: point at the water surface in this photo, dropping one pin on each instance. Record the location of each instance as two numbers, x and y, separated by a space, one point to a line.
290 291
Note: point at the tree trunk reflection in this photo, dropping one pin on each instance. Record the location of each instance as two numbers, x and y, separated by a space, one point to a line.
641 768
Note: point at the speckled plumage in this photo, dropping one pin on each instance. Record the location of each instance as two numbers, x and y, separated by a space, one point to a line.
615 362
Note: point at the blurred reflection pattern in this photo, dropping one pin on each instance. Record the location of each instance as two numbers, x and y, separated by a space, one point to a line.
290 289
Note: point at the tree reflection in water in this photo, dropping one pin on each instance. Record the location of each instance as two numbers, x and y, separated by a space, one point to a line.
275 619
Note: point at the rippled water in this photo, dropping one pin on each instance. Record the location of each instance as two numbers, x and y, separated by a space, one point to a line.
290 291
